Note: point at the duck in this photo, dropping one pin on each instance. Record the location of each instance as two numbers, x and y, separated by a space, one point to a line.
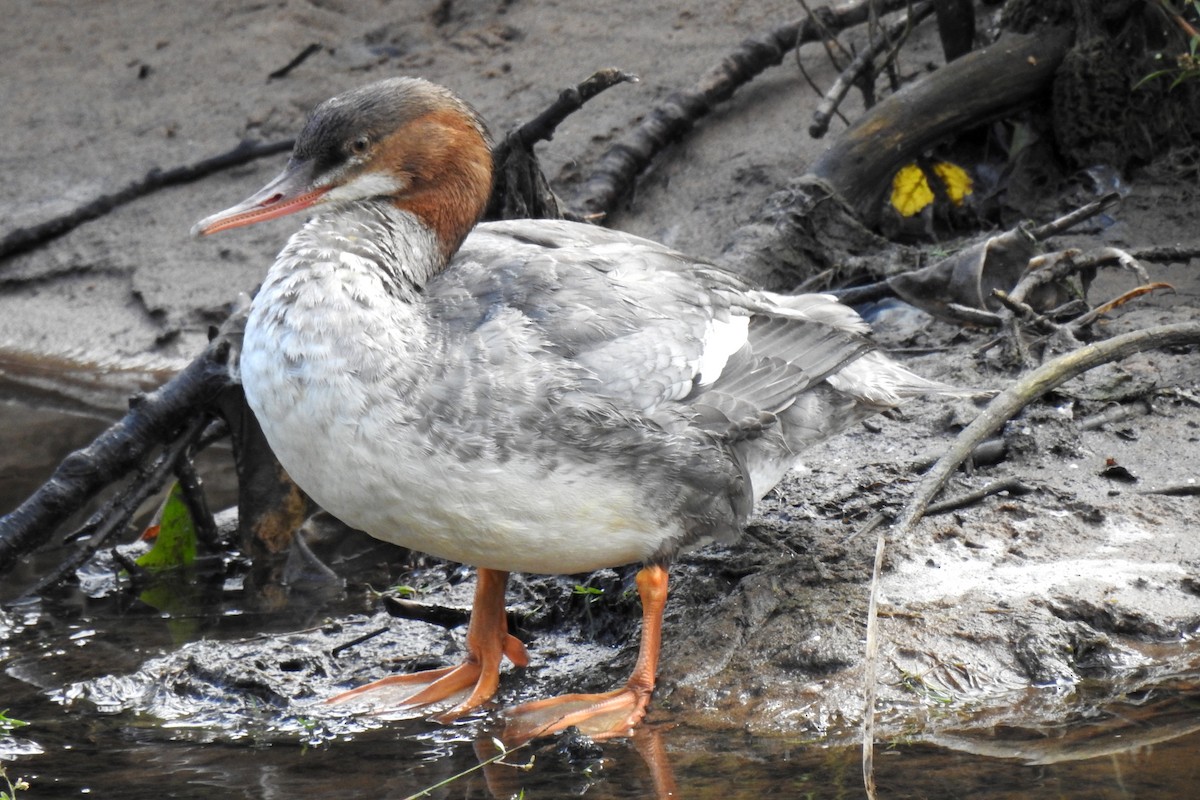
536 396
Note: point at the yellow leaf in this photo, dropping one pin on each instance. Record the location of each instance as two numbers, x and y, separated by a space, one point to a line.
910 190
956 180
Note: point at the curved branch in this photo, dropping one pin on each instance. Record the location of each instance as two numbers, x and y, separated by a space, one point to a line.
1037 383
1044 379
521 191
570 100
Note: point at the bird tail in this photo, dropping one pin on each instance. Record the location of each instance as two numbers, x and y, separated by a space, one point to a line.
880 382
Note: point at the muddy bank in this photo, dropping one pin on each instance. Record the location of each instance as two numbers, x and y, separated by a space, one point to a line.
997 612
1026 610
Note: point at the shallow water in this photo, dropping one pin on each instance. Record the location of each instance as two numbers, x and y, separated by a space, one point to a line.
88 753
1145 746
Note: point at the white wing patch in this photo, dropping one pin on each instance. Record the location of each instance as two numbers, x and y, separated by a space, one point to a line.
722 338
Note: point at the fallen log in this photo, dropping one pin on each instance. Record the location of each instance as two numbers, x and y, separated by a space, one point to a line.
981 86
156 418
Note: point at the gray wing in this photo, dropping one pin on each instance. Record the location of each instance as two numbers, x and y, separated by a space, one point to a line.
644 327
601 350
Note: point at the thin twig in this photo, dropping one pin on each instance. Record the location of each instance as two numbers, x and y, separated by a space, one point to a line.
447 617
1067 221
870 662
975 316
1084 320
832 59
1013 486
503 753
857 68
825 33
194 497
304 55
1023 311
570 100
357 640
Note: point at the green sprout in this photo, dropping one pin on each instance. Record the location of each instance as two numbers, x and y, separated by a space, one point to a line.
502 753
8 789
1187 65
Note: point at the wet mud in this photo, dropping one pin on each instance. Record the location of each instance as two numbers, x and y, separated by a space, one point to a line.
1003 623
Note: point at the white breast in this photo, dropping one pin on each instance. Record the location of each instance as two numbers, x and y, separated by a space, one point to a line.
377 474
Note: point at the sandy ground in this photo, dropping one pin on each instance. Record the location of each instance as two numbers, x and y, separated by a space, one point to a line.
1083 578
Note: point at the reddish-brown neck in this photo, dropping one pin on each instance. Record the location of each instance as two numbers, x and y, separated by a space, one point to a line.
448 167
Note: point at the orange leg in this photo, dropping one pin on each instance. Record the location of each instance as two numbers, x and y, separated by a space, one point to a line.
488 641
603 716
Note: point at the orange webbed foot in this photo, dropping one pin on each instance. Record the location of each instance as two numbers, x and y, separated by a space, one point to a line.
398 692
603 716
600 716
476 679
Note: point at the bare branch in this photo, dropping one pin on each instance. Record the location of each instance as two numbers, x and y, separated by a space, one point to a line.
154 419
617 169
857 69
25 239
1037 383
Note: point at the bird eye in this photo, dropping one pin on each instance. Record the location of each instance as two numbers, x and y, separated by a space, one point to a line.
359 145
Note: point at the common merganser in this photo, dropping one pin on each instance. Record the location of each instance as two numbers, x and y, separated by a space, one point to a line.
533 395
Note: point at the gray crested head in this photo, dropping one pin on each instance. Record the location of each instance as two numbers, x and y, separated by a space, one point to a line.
403 141
342 127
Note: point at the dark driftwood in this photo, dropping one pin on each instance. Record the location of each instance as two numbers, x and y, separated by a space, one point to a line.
618 168
114 518
820 221
156 418
983 85
24 239
521 190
